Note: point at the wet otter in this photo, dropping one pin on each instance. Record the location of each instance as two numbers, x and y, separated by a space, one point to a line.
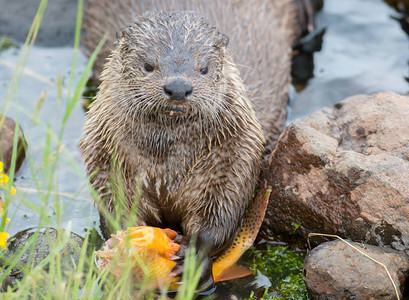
173 115
173 121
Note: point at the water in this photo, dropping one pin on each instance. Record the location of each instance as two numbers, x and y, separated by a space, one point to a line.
364 52
42 70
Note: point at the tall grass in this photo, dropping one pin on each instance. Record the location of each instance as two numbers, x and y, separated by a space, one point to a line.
51 277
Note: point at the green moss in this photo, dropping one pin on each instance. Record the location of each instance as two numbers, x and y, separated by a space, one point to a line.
89 94
284 269
5 43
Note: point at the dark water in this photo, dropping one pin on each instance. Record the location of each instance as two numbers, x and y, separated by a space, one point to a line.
364 51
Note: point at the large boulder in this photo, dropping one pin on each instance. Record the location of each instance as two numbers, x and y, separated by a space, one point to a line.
335 270
345 170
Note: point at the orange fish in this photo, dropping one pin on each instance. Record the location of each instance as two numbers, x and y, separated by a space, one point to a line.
154 247
150 245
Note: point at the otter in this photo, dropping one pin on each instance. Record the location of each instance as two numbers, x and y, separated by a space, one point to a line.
173 121
172 129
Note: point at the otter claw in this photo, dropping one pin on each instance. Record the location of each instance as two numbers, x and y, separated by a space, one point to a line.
183 241
176 271
175 257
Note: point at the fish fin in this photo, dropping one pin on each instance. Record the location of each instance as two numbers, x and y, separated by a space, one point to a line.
233 272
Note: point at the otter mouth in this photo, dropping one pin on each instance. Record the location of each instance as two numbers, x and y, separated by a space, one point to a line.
178 110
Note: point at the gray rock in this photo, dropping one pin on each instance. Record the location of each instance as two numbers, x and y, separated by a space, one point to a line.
6 144
334 270
345 171
46 237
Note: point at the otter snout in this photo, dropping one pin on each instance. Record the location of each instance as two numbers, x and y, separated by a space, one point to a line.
178 89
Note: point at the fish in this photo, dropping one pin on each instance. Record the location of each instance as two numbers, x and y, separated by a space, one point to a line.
151 250
224 266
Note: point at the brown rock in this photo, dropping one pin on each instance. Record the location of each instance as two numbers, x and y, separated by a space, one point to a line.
6 144
334 270
345 171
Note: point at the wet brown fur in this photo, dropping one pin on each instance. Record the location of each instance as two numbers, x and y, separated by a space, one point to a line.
198 170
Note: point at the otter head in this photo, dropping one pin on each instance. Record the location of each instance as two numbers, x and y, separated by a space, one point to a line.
171 64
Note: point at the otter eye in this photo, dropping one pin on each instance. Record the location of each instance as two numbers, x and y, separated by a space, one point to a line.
204 70
148 67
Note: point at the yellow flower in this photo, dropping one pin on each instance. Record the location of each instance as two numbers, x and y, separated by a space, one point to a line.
4 178
3 239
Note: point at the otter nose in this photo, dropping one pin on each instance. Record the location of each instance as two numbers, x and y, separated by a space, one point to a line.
178 89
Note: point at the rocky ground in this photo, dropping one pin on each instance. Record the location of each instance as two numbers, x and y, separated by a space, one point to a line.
344 171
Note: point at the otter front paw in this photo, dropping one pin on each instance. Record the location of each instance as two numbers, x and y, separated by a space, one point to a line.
202 257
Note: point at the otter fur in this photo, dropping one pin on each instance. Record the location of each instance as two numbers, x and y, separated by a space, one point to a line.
172 119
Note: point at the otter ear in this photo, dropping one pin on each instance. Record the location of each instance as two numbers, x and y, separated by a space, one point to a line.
222 40
122 32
